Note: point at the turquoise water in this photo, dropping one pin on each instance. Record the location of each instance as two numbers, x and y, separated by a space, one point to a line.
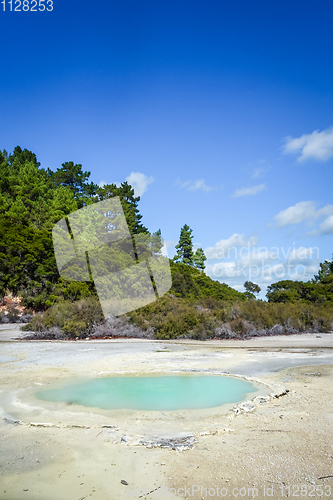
152 393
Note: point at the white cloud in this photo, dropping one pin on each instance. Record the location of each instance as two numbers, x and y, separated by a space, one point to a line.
239 288
297 213
222 270
326 227
303 255
139 182
195 185
316 146
223 248
250 191
307 211
257 257
266 265
327 210
103 183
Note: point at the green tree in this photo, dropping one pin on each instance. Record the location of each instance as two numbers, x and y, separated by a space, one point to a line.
129 203
299 291
72 176
185 247
22 156
199 259
28 211
251 288
326 268
284 291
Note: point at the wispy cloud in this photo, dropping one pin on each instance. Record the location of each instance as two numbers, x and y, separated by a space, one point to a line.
315 146
139 182
249 191
260 170
195 185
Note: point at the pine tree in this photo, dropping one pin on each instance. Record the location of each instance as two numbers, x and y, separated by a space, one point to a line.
72 176
129 203
185 247
199 259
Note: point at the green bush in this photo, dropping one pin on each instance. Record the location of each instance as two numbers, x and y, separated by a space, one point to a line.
13 314
288 291
75 319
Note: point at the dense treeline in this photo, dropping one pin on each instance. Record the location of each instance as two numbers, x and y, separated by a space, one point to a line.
288 291
33 199
319 290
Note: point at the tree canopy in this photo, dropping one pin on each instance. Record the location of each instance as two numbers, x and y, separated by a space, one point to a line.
299 291
70 175
251 288
129 204
318 290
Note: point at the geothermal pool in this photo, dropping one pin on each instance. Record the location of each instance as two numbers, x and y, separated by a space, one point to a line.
153 393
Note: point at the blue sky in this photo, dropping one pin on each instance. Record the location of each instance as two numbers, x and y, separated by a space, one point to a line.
219 113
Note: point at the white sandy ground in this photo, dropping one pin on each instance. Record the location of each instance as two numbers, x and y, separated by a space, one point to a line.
286 442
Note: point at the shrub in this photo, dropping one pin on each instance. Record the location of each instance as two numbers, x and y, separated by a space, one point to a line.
172 317
120 327
13 314
74 319
224 331
26 318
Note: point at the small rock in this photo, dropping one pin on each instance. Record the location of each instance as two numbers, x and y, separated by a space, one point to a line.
124 482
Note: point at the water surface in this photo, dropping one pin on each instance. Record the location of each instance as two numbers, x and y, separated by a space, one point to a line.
152 393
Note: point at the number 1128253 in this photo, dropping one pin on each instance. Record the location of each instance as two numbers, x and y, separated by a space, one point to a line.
27 6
